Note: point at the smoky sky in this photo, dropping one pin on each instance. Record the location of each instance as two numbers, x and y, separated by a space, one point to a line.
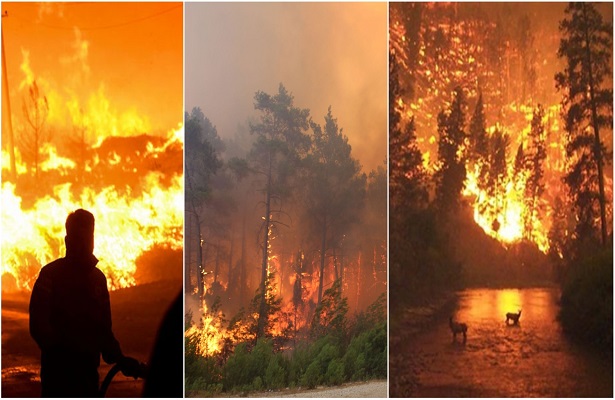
325 55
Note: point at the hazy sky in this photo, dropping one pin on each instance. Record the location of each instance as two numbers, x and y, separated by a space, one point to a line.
325 54
121 64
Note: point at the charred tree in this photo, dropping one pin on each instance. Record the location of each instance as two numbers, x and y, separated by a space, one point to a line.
35 110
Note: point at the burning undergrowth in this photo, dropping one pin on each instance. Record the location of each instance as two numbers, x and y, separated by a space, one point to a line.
79 131
133 186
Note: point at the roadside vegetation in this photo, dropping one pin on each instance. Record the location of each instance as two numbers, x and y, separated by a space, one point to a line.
337 349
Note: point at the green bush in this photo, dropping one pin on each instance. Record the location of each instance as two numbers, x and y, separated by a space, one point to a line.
366 356
202 374
299 363
275 375
243 366
335 372
257 384
323 361
311 378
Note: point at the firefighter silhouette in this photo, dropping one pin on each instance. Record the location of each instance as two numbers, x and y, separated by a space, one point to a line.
70 317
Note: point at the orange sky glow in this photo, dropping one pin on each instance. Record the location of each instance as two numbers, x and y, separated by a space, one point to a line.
123 61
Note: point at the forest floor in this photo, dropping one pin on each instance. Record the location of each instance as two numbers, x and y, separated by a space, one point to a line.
136 313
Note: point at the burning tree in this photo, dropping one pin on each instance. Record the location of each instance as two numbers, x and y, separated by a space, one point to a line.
35 110
281 143
330 316
497 175
587 107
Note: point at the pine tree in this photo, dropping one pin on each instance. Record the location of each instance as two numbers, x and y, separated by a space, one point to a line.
334 188
451 174
407 175
281 142
587 104
497 175
534 164
478 152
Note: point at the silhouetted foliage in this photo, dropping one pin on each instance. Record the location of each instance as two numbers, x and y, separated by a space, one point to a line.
587 300
330 315
587 104
452 169
407 176
334 188
281 142
534 158
497 173
201 164
35 110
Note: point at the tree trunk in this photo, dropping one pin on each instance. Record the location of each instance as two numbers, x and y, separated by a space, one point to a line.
335 270
323 248
597 147
359 276
242 274
262 313
199 267
188 257
217 262
230 264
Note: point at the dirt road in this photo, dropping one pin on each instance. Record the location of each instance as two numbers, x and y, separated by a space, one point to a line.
373 389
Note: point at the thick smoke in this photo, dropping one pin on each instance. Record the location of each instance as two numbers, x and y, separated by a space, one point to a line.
324 54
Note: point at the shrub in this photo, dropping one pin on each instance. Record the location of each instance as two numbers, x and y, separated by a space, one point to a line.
366 356
237 370
275 375
257 383
243 366
311 377
335 372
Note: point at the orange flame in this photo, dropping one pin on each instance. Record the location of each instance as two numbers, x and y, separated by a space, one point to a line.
126 227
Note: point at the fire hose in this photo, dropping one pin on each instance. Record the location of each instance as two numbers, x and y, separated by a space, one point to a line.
113 371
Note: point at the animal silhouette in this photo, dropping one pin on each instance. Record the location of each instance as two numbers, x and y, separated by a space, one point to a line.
513 317
457 327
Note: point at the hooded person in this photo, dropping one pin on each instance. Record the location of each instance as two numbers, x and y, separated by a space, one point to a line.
70 317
